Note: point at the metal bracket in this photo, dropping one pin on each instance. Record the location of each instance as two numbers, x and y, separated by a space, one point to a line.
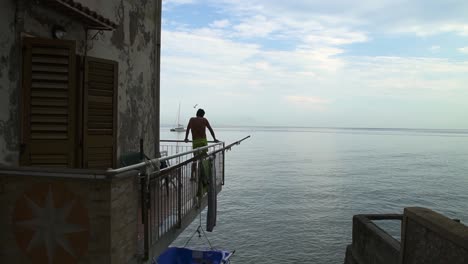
99 32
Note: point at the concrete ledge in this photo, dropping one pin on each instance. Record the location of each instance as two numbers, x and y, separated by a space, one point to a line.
429 237
371 244
64 173
446 227
349 258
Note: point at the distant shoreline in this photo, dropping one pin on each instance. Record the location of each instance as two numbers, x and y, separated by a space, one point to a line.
444 130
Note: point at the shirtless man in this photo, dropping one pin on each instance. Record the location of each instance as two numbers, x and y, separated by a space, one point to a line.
198 127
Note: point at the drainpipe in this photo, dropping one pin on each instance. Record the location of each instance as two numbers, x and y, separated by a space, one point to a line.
157 74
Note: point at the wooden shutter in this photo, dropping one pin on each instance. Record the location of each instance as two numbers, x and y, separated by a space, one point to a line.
100 113
49 109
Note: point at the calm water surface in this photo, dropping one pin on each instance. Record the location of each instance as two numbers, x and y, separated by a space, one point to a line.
290 193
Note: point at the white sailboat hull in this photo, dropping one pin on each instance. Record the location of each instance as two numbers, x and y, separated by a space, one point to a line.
179 128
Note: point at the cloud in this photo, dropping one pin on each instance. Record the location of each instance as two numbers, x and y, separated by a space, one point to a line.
434 48
256 26
315 103
431 29
205 43
262 65
220 23
311 33
275 20
336 37
213 63
231 94
419 17
178 2
463 50
314 100
169 5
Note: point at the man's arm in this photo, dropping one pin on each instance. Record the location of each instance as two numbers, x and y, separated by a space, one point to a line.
189 126
211 130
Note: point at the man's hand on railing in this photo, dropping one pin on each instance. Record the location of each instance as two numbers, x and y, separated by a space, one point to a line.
216 141
186 140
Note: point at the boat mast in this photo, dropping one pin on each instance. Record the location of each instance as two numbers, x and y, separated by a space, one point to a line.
178 116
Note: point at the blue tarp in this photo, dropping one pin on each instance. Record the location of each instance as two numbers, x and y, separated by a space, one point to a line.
175 255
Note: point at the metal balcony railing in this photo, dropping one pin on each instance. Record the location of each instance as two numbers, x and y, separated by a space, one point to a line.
173 189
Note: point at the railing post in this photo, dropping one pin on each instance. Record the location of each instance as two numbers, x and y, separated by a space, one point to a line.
179 198
144 203
224 155
142 184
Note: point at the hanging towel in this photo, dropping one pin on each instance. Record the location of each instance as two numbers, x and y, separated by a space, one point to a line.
212 197
203 177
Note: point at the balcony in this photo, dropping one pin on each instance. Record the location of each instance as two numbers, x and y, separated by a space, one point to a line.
175 194
124 215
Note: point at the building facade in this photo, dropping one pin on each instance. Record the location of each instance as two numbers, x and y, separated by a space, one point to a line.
79 90
79 133
79 81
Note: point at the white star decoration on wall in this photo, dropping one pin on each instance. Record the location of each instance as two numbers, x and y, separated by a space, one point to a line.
50 226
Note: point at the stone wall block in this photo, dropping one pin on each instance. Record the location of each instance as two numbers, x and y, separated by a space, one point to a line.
97 242
429 237
124 209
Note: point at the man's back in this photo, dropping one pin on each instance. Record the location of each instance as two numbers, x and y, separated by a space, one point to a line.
198 127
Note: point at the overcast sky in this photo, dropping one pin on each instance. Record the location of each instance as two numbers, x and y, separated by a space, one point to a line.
333 63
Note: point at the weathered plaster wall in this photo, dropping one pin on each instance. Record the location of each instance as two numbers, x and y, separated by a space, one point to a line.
131 45
9 76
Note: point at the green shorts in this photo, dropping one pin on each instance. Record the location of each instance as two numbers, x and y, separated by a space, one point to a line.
198 143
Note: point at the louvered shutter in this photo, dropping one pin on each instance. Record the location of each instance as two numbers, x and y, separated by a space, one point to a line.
99 115
49 109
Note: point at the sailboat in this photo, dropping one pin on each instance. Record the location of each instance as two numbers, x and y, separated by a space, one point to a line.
179 127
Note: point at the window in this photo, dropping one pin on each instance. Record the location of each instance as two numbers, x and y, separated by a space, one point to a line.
65 124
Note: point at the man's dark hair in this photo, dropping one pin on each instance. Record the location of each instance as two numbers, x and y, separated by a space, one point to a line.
201 113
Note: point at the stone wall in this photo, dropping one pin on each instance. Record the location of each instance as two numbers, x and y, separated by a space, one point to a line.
371 244
124 215
92 217
429 237
132 45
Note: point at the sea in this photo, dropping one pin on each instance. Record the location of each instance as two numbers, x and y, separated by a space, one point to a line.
290 193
